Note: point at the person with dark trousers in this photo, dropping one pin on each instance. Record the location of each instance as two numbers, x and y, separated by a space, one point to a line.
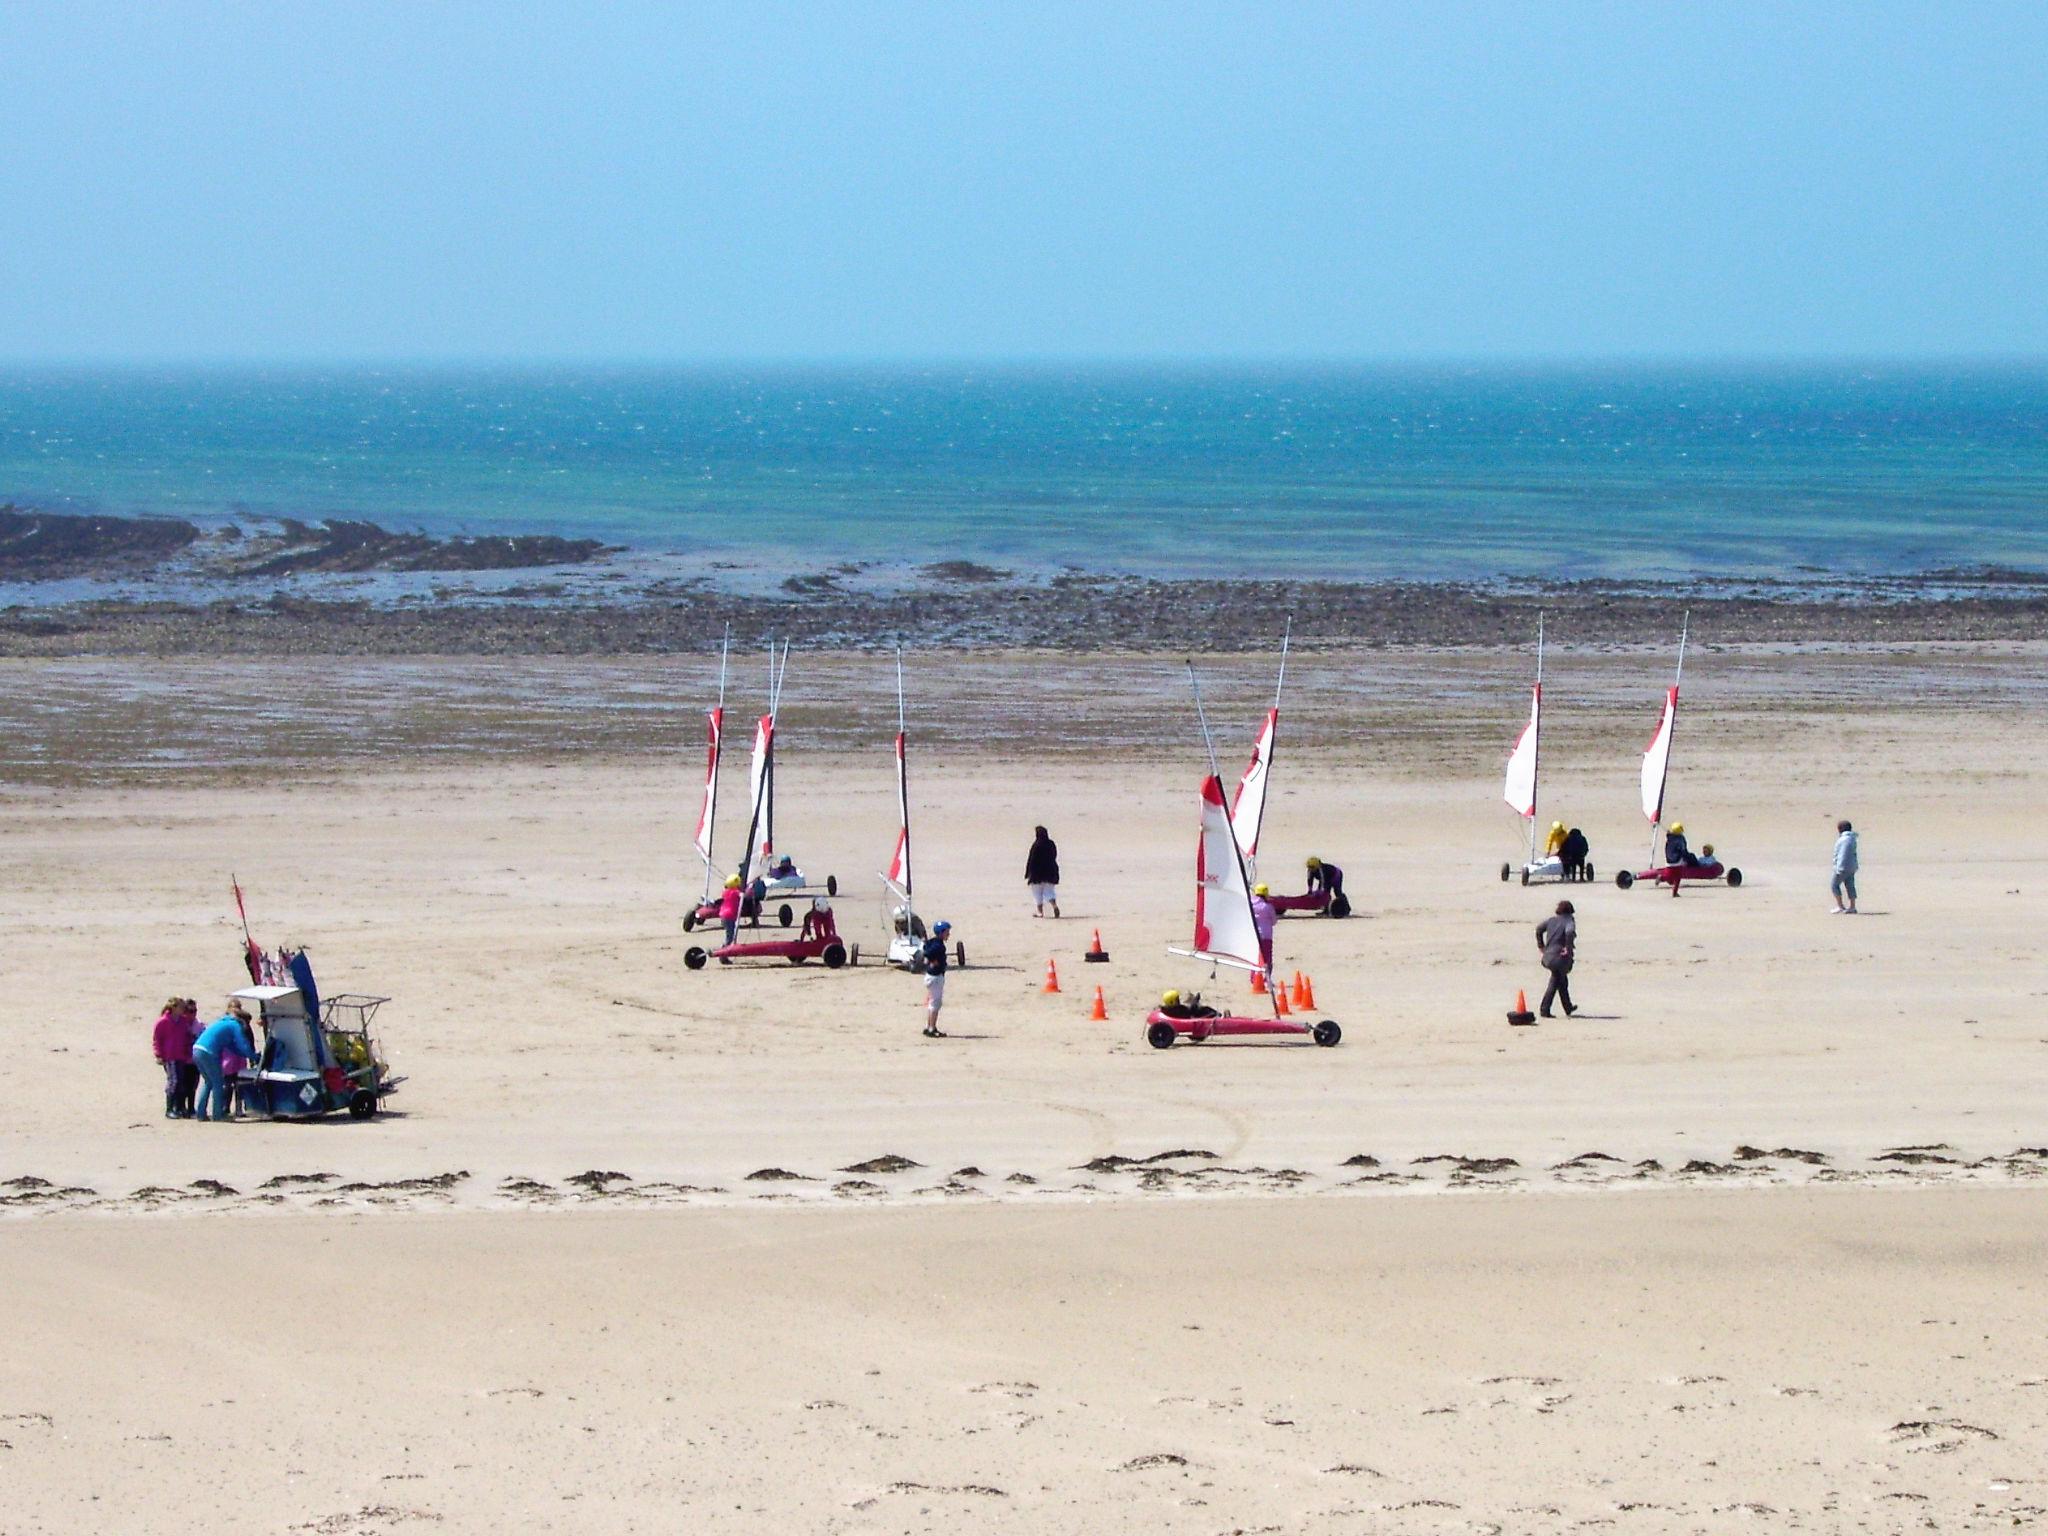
1042 872
1557 937
1573 853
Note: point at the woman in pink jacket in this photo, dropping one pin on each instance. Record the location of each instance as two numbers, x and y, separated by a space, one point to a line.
171 1041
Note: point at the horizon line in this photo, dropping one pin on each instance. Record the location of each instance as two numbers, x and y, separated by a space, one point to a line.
1019 361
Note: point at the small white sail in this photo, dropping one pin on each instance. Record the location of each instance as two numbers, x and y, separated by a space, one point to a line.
1657 758
1224 931
1248 810
761 827
898 876
1520 789
715 732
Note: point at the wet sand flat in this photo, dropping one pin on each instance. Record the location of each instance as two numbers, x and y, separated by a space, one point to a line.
1838 1360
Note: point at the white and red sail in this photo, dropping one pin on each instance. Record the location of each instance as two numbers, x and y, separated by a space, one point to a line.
1520 788
1248 809
761 779
1657 758
1225 933
714 720
898 874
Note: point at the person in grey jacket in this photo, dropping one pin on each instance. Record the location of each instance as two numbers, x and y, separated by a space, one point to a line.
1557 938
1844 883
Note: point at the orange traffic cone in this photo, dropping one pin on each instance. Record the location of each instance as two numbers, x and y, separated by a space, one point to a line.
1298 998
1308 992
1280 1008
1096 953
1258 983
1521 1015
1052 974
1099 1011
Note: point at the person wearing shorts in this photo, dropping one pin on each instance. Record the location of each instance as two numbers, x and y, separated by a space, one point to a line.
934 957
1042 872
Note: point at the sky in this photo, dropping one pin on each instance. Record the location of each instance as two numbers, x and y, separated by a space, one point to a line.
730 181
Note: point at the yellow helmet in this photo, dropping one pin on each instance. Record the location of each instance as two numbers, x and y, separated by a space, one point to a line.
1262 889
1557 826
1168 998
1678 826
1314 862
732 882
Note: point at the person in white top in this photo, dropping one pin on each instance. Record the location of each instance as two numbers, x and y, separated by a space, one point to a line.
1844 883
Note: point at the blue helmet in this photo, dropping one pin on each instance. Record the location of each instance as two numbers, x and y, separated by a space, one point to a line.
942 927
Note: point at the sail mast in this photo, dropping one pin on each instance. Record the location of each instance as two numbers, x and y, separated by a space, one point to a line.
1536 743
902 786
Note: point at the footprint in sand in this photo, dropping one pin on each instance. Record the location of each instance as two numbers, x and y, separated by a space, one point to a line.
975 1490
1939 1436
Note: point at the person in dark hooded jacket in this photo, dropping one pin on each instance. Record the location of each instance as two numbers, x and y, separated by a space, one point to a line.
1042 872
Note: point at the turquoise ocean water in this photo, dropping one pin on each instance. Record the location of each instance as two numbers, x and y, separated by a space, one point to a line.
1257 472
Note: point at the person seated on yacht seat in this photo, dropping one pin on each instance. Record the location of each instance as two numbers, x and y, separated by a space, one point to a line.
1174 1006
818 921
1675 850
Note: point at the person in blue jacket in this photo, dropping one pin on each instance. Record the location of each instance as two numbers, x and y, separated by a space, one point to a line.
227 1035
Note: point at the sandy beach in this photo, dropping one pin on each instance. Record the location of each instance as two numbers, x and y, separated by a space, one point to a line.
1756 1237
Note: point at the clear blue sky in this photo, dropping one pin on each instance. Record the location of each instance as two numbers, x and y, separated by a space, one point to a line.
728 180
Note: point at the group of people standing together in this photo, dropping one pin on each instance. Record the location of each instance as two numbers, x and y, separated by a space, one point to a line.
201 1061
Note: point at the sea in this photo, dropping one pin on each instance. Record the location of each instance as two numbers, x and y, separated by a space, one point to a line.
1641 473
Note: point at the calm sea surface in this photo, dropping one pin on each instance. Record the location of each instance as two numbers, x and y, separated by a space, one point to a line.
1424 473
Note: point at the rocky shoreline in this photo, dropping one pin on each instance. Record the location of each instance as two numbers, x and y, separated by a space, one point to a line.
52 546
1076 614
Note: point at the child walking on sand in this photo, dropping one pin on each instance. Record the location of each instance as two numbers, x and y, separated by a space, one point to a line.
1844 883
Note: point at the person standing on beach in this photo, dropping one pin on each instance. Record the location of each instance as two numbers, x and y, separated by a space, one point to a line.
172 1044
1042 872
1557 937
1264 916
1844 883
933 955
730 901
